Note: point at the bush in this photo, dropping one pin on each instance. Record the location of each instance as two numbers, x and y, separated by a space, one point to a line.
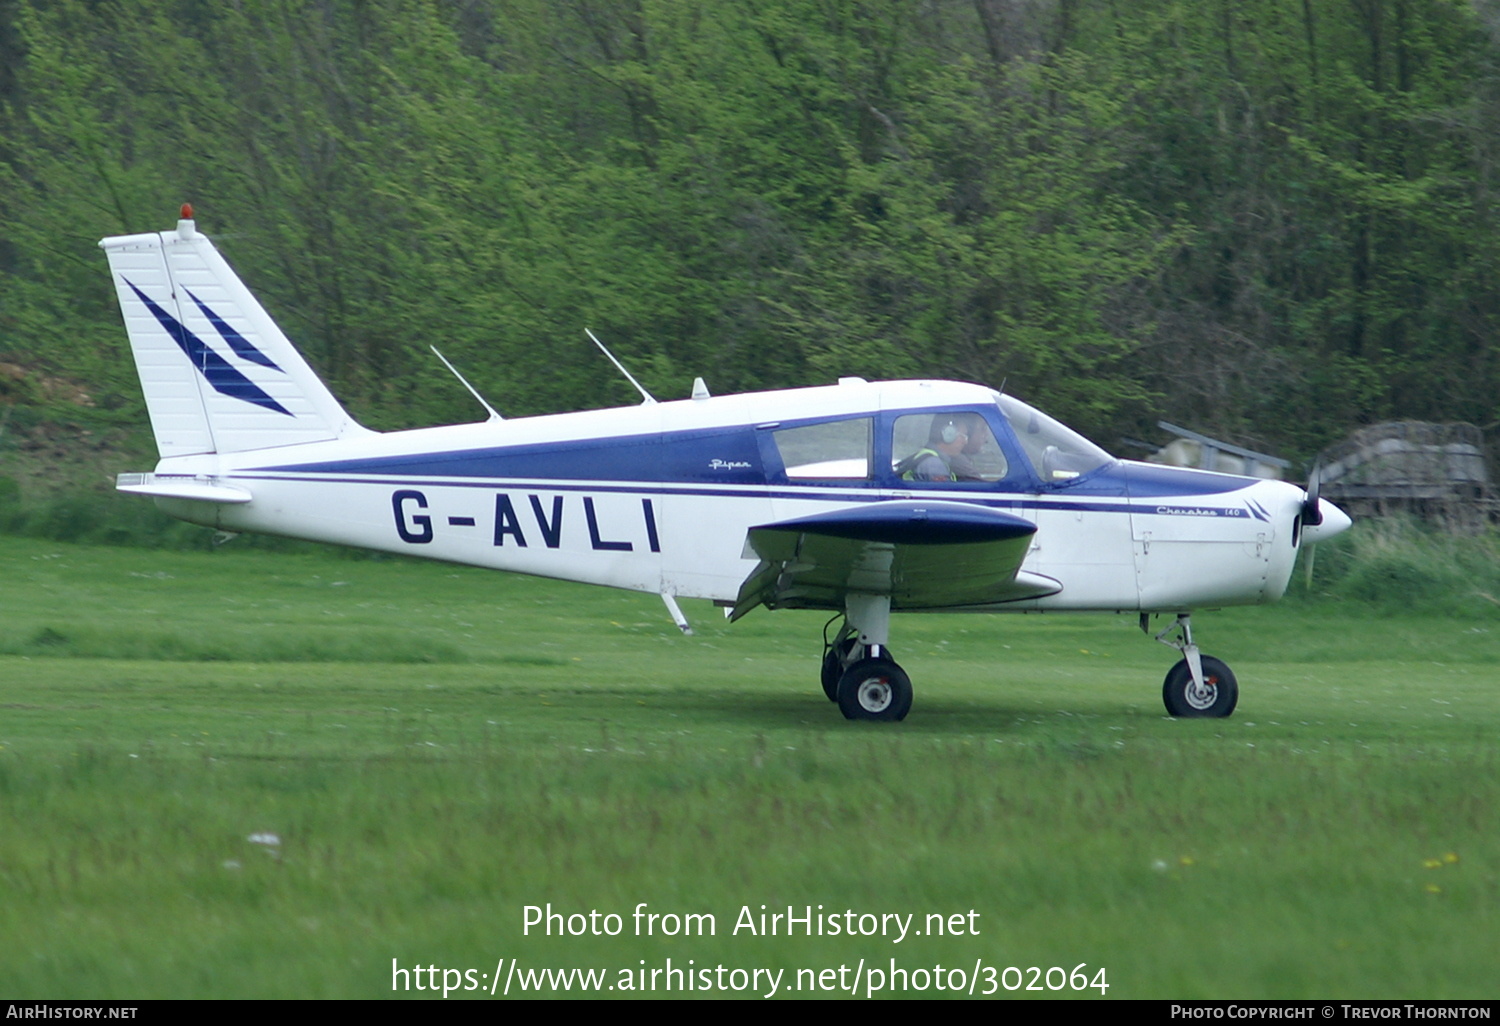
1401 564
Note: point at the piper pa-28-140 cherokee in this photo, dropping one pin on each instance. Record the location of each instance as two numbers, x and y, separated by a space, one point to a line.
861 498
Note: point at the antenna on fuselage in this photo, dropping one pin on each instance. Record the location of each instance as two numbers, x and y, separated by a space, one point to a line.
647 397
464 381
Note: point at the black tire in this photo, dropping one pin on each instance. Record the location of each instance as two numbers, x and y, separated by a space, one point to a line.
833 666
874 689
1218 698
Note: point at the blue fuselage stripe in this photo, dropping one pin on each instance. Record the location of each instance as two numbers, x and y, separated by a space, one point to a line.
1151 504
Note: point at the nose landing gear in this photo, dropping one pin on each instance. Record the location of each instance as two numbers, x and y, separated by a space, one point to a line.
1197 685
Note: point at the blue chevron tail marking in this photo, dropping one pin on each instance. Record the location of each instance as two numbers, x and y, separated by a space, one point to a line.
224 378
241 345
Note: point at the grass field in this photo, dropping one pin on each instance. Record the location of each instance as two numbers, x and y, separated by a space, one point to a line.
242 774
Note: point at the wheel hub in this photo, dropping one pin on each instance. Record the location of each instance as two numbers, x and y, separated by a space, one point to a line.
1202 697
875 694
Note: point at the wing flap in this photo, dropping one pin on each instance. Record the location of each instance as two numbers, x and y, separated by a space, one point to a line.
924 555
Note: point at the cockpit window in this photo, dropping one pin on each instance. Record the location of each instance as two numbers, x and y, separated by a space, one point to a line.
946 447
1056 452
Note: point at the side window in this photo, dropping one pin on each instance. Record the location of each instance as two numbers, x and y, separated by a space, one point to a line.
838 450
946 448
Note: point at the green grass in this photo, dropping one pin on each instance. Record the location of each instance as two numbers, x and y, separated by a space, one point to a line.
437 748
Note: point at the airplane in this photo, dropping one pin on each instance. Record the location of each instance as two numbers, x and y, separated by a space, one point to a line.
859 498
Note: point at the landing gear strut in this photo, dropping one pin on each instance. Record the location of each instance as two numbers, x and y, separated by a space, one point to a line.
858 671
1197 685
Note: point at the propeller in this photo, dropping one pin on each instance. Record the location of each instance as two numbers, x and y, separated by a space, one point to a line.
1312 515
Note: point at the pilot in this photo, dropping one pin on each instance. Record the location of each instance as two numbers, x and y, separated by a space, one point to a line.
962 465
951 441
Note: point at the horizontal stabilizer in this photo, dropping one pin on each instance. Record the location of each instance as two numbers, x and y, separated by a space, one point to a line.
923 555
163 486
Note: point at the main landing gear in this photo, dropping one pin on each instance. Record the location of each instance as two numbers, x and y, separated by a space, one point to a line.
858 671
1197 685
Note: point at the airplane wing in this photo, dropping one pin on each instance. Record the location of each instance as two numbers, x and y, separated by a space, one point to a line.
924 555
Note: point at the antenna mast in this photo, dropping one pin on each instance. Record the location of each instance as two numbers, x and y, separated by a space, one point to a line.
464 381
648 398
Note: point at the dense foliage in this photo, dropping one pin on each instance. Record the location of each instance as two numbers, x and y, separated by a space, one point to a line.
1272 219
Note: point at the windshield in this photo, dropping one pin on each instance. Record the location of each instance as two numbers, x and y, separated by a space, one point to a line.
1057 453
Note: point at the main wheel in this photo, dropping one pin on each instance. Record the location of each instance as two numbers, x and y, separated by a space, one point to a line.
833 666
1217 697
874 689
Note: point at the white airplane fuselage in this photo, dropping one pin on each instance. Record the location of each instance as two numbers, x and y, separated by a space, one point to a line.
659 498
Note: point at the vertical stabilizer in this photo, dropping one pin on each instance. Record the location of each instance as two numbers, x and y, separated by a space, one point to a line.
218 374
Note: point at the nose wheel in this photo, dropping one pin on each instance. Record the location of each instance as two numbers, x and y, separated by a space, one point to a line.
1216 695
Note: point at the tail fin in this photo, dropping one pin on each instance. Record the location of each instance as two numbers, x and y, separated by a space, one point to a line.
218 375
